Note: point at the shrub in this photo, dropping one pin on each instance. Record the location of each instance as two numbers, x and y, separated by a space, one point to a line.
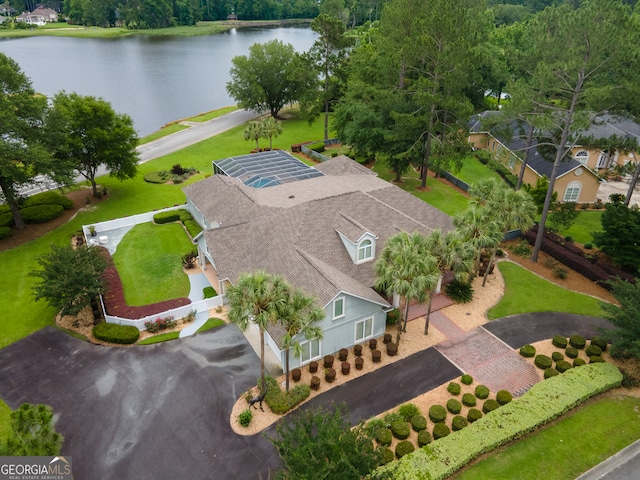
528 351
384 436
466 379
482 392
543 361
112 333
5 232
329 375
424 438
390 418
490 405
189 260
4 208
6 219
557 356
562 366
178 170
458 423
245 418
209 292
437 413
578 362
550 372
156 177
159 324
313 367
593 351
454 406
469 400
167 217
192 227
560 272
595 359
317 147
404 448
343 354
453 388
41 213
503 397
418 423
440 430
474 414
459 291
315 382
401 429
408 411
387 456
559 341
522 248
279 401
588 246
577 341
328 361
393 316
571 352
600 342
49 198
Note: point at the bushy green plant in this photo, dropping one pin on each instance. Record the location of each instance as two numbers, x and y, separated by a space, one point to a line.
559 341
281 402
387 456
167 217
49 198
401 429
458 423
418 423
469 400
317 147
440 430
503 397
557 356
593 351
454 406
437 413
528 351
372 426
453 388
156 177
522 248
393 316
595 359
408 411
245 418
6 219
389 418
600 342
550 372
209 292
482 392
466 379
490 405
424 438
577 341
459 291
5 232
571 352
578 362
41 213
113 333
473 414
560 272
383 436
404 448
543 361
588 246
192 227
562 366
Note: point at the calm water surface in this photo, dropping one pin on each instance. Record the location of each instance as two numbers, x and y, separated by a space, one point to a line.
154 80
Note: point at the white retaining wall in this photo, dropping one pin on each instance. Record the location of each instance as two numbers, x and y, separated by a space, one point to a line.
126 221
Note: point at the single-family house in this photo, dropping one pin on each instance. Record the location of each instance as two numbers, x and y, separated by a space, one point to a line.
575 182
321 228
40 16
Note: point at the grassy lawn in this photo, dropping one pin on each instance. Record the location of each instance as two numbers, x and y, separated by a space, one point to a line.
163 132
526 292
163 337
472 171
587 222
151 256
5 422
568 448
210 324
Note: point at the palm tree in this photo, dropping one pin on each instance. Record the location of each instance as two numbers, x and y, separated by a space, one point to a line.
297 315
271 128
254 131
257 297
477 227
405 268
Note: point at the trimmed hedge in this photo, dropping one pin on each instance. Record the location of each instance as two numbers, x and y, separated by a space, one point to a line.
577 341
550 372
543 361
113 333
401 429
41 213
557 356
482 392
440 430
48 198
5 232
466 379
454 406
562 366
595 359
559 341
474 414
544 402
167 217
437 413
503 397
469 399
418 423
404 448
528 351
192 227
387 456
209 292
601 342
317 147
578 362
593 351
458 423
6 219
279 401
490 405
571 352
424 438
408 411
384 436
453 388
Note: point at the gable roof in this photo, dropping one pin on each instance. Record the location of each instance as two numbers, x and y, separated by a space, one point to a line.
605 126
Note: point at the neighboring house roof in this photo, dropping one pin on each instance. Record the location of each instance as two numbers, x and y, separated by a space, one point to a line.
46 12
605 126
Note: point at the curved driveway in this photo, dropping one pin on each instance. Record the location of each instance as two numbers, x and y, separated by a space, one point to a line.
162 411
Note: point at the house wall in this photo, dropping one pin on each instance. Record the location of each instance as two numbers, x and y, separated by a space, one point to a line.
593 157
589 186
197 215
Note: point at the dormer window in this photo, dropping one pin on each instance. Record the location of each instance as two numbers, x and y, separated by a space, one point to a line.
365 250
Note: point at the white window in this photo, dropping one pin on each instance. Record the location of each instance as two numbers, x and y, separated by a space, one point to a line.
512 161
572 193
582 156
338 308
364 329
365 250
310 350
604 161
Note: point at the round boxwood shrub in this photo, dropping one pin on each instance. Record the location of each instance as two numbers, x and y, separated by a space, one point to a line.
593 351
454 406
559 341
490 405
562 366
113 333
440 430
595 359
503 397
384 436
418 423
424 438
466 379
5 232
404 448
458 423
453 388
387 456
528 351
437 413
550 372
245 417
482 392
400 429
473 414
408 411
601 342
577 341
571 352
543 361
50 197
6 219
578 362
41 213
557 356
469 399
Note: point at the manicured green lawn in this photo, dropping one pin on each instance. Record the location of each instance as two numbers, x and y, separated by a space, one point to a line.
587 222
472 171
568 448
163 132
163 337
211 323
5 422
526 292
149 261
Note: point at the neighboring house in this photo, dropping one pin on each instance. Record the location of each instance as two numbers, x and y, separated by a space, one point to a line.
320 228
2 19
7 10
40 16
575 182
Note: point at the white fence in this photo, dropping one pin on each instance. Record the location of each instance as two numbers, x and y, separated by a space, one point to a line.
177 313
126 221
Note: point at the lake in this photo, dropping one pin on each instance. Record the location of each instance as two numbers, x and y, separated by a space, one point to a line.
155 80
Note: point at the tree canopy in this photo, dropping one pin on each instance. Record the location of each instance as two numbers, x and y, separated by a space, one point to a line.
620 233
33 432
625 337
